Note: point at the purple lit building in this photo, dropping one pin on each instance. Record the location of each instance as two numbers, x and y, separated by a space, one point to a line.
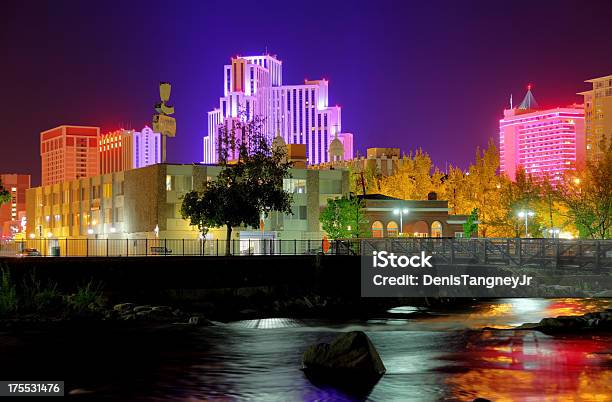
300 114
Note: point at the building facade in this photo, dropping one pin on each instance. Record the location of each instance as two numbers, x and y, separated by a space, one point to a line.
145 203
128 149
598 115
394 217
253 86
378 161
13 213
68 153
545 143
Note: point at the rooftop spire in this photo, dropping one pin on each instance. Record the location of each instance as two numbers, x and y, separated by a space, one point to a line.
529 101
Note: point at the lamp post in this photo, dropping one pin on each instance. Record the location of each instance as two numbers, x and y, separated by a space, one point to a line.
401 212
526 214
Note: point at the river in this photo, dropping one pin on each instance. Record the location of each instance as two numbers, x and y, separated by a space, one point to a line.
429 355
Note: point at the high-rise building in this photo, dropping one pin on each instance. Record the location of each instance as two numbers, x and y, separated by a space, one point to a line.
301 114
598 114
12 214
128 149
68 153
544 142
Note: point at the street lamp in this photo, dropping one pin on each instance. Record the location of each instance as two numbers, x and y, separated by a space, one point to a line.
526 214
401 212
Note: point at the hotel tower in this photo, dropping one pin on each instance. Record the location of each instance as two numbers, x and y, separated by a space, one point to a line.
300 114
544 142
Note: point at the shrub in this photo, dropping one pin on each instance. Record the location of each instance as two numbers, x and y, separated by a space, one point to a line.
38 298
88 297
8 293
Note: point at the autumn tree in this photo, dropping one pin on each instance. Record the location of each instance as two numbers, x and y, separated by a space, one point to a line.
365 180
414 179
587 194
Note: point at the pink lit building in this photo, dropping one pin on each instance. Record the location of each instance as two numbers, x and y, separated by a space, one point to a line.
545 142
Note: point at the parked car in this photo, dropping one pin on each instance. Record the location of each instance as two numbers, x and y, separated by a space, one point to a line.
29 252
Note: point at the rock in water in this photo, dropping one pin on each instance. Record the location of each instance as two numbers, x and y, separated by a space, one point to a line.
124 308
350 360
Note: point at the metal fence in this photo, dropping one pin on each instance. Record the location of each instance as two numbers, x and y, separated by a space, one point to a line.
484 251
169 247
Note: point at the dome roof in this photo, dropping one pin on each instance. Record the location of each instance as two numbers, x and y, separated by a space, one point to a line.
336 150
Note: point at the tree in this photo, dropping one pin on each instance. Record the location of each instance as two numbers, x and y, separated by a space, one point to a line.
343 217
454 190
249 185
587 194
414 179
470 227
5 196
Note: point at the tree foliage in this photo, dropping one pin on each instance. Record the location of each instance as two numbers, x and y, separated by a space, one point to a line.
249 185
414 179
470 227
5 196
587 194
581 209
343 218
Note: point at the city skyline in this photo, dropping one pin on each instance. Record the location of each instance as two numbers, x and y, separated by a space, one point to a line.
391 83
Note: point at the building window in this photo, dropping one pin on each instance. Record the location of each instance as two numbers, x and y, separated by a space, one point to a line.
168 183
108 215
303 213
392 229
377 229
294 186
107 190
436 229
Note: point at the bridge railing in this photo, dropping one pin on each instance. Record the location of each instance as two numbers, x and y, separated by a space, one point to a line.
518 252
485 251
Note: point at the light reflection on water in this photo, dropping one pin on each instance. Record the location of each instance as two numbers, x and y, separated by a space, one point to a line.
427 358
440 357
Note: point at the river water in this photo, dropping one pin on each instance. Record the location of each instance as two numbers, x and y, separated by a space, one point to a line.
437 356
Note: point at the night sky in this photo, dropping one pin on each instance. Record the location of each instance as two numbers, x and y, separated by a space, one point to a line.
407 74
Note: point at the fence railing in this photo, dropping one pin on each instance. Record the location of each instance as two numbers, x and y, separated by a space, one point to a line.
170 247
483 251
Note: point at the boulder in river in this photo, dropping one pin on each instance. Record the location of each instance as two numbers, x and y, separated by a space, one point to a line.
349 361
124 308
587 322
